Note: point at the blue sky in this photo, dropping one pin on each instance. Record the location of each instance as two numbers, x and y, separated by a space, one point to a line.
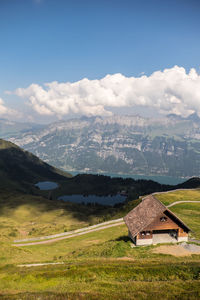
66 41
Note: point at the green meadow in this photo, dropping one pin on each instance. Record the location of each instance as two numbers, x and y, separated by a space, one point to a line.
27 216
182 195
98 265
104 279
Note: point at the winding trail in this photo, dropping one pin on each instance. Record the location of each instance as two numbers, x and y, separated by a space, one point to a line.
69 232
81 231
69 236
41 264
184 201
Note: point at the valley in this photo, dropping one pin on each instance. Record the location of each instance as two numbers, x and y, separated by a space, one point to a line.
92 265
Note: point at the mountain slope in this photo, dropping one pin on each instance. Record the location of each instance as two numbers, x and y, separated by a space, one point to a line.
120 144
21 168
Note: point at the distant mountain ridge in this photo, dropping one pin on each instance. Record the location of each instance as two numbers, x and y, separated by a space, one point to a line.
12 128
120 144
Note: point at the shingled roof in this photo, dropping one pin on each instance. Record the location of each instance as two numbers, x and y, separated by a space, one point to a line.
145 213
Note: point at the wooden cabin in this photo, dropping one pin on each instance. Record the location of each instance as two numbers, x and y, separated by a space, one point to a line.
151 222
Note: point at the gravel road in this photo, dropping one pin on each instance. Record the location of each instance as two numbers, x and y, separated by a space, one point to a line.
68 236
178 202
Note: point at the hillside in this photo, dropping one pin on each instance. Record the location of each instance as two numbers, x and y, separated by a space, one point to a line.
120 144
27 210
20 168
99 265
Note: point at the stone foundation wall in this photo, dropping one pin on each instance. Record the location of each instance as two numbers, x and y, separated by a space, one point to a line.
141 242
182 239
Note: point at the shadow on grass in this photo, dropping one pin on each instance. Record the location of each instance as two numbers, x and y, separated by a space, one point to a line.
11 200
124 238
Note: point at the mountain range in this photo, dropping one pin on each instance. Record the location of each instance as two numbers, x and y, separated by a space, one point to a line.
118 144
12 128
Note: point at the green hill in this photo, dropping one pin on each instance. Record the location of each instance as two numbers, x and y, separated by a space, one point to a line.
21 169
27 211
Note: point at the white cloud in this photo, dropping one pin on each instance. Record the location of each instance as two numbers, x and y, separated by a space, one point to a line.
7 112
3 109
170 91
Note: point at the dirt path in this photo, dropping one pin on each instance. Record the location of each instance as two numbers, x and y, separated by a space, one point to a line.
183 249
40 264
69 236
175 250
69 232
184 201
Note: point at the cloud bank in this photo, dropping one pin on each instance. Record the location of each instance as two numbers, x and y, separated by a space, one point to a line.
5 111
170 91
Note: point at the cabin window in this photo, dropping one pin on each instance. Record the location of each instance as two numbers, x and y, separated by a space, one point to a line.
143 233
163 219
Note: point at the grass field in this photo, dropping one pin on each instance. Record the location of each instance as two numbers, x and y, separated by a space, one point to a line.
101 265
27 216
98 265
104 279
182 195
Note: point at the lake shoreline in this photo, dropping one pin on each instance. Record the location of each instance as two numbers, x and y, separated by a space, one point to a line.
171 180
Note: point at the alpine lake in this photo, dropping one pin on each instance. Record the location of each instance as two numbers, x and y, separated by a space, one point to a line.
109 200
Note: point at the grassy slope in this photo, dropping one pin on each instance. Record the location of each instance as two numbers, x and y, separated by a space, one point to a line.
26 216
182 195
105 279
101 265
35 216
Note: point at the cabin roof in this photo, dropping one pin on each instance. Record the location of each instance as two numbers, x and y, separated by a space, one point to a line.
144 214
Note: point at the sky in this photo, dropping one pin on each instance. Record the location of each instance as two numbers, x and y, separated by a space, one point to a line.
62 58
